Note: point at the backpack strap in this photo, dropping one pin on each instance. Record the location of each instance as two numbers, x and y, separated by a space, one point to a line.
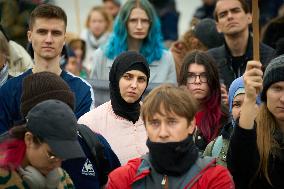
217 146
198 168
97 150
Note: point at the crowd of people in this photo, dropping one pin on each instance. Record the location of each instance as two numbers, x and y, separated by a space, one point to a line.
214 121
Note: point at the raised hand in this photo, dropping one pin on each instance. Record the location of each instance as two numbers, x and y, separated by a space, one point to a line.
253 79
253 85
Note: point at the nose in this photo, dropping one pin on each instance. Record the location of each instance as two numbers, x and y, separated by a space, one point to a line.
49 38
197 79
163 132
139 24
282 97
134 84
230 15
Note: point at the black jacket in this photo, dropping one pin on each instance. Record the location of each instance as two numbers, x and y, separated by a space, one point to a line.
224 58
243 161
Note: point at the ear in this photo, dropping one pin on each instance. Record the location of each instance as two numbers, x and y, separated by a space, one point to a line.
249 15
191 127
28 139
29 34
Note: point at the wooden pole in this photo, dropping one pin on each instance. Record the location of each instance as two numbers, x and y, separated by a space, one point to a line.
77 8
255 29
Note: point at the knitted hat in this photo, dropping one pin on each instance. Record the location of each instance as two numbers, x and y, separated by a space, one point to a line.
274 72
43 86
206 32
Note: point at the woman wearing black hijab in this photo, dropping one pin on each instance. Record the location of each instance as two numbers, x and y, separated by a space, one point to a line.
118 120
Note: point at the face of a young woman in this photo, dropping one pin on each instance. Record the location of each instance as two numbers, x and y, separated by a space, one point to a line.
275 100
97 23
40 156
197 81
132 85
138 24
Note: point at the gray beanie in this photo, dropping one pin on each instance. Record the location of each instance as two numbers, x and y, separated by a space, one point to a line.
274 72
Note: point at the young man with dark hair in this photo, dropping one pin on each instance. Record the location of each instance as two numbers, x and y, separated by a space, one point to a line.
233 19
47 33
173 160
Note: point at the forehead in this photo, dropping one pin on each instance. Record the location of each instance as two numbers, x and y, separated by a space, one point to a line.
96 14
278 84
49 24
138 13
136 73
223 5
239 97
196 68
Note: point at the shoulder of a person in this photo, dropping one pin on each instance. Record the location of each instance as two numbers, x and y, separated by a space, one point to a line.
217 52
127 172
94 115
14 83
75 81
217 176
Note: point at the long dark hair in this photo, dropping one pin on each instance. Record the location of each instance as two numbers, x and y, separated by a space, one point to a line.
210 124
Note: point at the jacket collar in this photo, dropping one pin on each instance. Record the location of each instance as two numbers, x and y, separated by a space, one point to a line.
248 53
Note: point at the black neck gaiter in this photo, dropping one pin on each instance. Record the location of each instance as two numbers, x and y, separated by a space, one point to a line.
173 158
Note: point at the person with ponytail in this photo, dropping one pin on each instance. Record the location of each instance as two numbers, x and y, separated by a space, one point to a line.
199 76
256 152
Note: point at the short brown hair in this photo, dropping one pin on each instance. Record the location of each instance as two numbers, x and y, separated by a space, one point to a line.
47 11
244 5
173 99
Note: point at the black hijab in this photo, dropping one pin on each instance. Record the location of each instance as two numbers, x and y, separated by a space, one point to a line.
126 61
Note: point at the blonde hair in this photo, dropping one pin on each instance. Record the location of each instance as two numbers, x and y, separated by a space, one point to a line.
107 17
266 143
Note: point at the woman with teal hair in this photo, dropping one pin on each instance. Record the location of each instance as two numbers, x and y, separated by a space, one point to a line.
136 28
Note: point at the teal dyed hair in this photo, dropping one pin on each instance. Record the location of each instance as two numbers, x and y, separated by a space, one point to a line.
152 46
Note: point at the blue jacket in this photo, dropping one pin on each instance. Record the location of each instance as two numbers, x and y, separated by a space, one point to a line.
83 171
11 91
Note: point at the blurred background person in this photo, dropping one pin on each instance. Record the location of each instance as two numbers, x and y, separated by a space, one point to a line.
137 28
78 46
169 18
4 57
112 7
98 28
202 35
205 10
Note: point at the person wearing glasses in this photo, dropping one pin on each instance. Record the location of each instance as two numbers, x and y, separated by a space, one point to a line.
31 154
136 28
199 76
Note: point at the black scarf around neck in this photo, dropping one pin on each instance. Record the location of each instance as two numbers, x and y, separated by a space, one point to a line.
126 61
173 158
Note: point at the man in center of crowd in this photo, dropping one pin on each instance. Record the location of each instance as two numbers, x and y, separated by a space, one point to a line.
173 160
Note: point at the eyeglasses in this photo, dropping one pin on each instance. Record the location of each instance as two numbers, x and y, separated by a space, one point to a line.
192 77
51 157
135 21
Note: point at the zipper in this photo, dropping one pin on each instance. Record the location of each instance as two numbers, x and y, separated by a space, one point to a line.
164 183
